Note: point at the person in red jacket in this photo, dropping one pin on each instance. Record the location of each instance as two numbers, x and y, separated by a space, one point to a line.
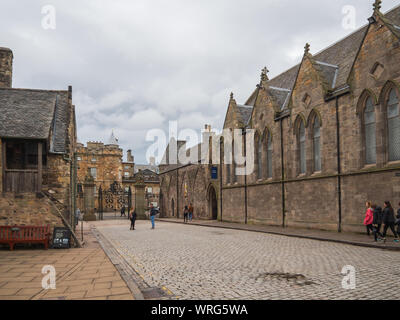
369 217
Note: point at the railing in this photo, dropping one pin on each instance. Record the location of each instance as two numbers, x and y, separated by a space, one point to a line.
21 180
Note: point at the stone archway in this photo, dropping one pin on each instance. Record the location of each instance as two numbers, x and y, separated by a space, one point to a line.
212 203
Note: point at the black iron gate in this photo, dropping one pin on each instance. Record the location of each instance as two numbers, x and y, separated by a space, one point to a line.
114 199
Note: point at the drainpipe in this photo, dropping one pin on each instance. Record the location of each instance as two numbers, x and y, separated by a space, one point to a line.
177 192
245 176
220 179
283 177
339 169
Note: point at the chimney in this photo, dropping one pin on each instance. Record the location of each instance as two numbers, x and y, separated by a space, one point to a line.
6 67
129 156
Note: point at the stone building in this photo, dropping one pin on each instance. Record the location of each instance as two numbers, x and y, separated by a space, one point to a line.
37 143
327 138
104 162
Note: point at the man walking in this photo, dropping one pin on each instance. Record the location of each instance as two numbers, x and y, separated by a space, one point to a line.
123 211
190 212
132 217
153 213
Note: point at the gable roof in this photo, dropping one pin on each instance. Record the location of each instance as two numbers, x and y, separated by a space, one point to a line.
341 54
35 114
244 113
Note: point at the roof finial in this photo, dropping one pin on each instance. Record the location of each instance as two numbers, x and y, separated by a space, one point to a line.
377 5
264 74
307 48
231 95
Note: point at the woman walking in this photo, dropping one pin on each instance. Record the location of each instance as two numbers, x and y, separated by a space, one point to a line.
377 223
132 217
185 214
369 217
388 221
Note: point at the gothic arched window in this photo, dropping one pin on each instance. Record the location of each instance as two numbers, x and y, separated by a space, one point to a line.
370 132
259 151
393 125
269 155
317 144
302 148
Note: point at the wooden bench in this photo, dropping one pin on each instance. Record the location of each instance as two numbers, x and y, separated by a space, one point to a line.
12 235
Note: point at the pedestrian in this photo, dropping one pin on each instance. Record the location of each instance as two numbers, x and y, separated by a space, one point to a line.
77 216
185 214
123 211
377 223
388 221
398 220
369 217
132 217
153 213
191 209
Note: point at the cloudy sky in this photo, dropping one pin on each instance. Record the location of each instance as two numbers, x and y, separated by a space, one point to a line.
135 65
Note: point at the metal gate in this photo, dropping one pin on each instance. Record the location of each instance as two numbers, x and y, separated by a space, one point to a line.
114 198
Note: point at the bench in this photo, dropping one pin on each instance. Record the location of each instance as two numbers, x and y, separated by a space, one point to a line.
12 235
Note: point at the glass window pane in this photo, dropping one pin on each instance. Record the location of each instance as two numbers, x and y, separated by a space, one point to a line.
317 154
370 143
394 138
302 157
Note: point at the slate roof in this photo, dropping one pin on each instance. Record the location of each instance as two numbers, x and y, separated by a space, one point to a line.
341 54
35 114
245 113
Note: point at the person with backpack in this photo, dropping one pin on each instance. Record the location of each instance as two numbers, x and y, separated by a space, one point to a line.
377 222
185 214
398 220
388 221
132 217
369 217
153 213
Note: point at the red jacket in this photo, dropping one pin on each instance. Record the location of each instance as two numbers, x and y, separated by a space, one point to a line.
369 217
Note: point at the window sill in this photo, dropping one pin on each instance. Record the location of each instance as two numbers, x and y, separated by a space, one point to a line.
369 166
316 173
301 175
393 163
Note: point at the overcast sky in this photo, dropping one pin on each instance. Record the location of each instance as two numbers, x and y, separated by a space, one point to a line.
135 65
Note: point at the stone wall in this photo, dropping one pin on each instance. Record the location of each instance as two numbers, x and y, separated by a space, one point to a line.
1 167
6 68
27 210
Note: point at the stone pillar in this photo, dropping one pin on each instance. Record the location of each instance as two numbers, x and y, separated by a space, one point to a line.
88 196
140 203
6 67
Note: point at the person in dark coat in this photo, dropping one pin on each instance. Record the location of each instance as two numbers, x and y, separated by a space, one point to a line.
377 222
123 211
398 220
388 221
185 214
132 217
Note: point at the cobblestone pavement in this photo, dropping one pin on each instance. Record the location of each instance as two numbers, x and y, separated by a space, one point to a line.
209 263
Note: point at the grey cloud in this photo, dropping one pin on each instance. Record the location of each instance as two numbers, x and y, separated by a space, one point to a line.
135 65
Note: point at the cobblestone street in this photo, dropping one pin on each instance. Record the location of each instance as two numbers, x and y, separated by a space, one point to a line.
209 263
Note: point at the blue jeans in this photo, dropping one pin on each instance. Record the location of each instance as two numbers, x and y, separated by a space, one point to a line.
190 216
152 221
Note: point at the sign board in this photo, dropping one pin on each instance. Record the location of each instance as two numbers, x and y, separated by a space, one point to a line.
61 238
214 173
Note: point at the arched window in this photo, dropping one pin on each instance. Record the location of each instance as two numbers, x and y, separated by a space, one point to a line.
269 155
234 177
302 147
317 144
393 118
259 156
370 132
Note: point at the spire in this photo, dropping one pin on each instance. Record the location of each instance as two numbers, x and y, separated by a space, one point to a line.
113 140
307 48
264 74
377 5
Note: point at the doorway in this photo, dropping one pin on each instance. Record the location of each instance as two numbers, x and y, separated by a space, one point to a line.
213 204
